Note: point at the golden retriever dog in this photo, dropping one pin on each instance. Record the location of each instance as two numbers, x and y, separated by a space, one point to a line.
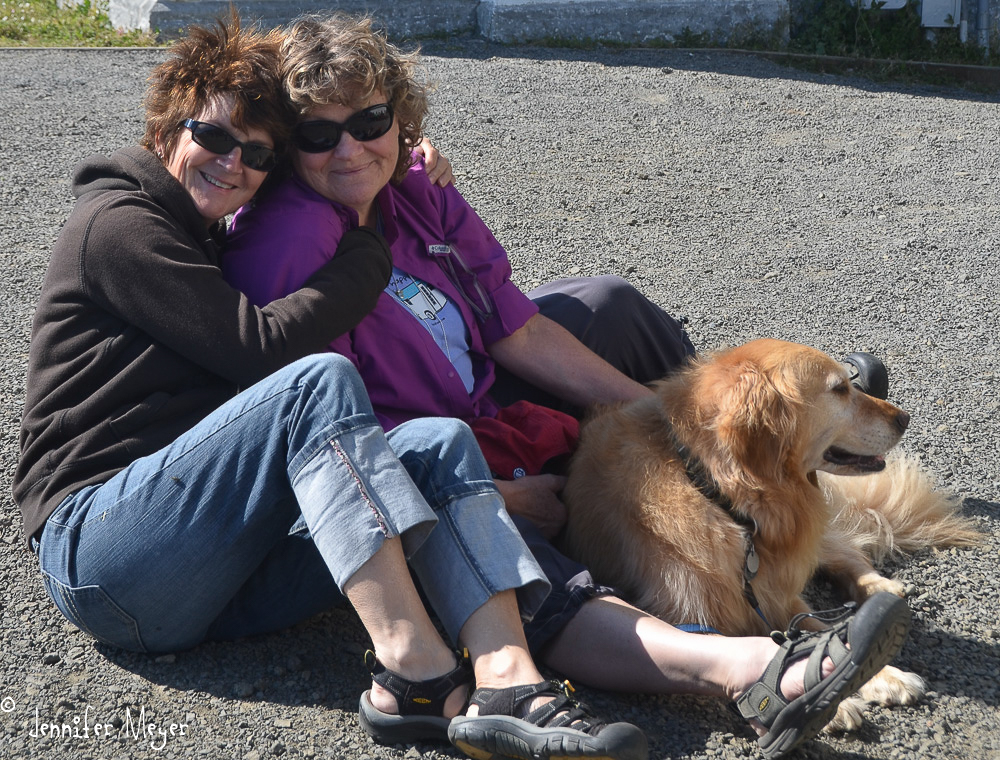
741 477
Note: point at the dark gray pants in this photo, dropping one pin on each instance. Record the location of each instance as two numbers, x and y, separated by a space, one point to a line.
616 322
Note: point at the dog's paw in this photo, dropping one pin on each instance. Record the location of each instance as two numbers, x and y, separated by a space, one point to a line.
892 686
872 583
850 715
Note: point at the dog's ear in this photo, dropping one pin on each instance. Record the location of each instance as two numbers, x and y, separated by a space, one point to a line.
756 420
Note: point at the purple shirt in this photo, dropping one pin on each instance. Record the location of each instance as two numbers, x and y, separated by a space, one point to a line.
276 245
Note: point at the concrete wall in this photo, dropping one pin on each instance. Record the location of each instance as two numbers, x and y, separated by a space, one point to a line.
632 20
404 18
497 20
628 21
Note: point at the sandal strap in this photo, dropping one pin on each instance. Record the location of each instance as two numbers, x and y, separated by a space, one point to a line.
830 617
419 697
829 642
563 711
763 700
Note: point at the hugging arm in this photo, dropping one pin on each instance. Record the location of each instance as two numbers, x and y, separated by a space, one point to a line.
171 292
436 164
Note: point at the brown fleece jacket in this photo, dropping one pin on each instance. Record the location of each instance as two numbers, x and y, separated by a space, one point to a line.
137 336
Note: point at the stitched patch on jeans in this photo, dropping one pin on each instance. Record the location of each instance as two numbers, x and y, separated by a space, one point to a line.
361 486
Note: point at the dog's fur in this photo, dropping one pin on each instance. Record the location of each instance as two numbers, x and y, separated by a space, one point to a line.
777 426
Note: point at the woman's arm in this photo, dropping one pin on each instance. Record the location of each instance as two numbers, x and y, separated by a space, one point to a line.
547 355
161 285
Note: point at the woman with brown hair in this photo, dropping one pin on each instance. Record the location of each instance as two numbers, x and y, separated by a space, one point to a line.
192 466
448 320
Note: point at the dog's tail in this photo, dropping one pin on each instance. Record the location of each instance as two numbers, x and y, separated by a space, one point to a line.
897 511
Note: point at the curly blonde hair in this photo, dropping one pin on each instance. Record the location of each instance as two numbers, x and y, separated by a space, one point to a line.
226 61
342 59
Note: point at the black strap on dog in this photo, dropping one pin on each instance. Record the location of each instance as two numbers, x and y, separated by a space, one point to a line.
706 484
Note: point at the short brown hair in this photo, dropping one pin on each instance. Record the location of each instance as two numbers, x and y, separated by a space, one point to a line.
244 64
341 59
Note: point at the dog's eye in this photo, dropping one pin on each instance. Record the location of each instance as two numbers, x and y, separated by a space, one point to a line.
842 388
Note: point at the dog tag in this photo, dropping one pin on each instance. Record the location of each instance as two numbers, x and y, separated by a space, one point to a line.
752 562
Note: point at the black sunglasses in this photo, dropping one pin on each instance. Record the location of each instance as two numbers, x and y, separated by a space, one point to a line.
365 125
216 139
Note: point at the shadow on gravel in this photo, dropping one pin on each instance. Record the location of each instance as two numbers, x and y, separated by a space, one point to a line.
730 63
316 663
961 664
958 666
981 508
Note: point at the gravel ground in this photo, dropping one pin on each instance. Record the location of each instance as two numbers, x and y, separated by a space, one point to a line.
754 199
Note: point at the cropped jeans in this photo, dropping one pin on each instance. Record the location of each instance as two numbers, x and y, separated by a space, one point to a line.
256 517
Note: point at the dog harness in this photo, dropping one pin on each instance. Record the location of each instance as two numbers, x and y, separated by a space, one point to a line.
702 480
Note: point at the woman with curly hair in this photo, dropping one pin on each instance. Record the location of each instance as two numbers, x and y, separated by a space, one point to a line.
448 321
194 467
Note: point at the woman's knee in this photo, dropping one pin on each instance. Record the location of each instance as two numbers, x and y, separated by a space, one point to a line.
613 300
440 452
594 309
611 290
330 373
456 433
326 365
438 436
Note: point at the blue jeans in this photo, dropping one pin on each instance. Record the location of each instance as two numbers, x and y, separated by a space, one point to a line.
256 517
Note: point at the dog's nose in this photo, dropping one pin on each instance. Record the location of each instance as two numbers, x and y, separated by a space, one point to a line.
902 421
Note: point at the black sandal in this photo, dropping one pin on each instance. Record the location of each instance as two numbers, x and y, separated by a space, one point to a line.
562 728
868 374
875 634
421 704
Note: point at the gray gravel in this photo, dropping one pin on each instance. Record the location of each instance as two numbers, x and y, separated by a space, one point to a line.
754 199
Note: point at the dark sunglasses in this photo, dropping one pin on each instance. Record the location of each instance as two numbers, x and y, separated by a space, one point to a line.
216 139
365 125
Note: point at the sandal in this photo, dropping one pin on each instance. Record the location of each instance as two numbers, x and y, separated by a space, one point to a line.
562 728
875 634
421 704
868 374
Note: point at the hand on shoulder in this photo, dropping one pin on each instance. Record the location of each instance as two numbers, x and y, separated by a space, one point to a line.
437 167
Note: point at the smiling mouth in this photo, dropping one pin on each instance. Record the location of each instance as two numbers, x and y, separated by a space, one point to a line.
213 181
352 170
842 458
